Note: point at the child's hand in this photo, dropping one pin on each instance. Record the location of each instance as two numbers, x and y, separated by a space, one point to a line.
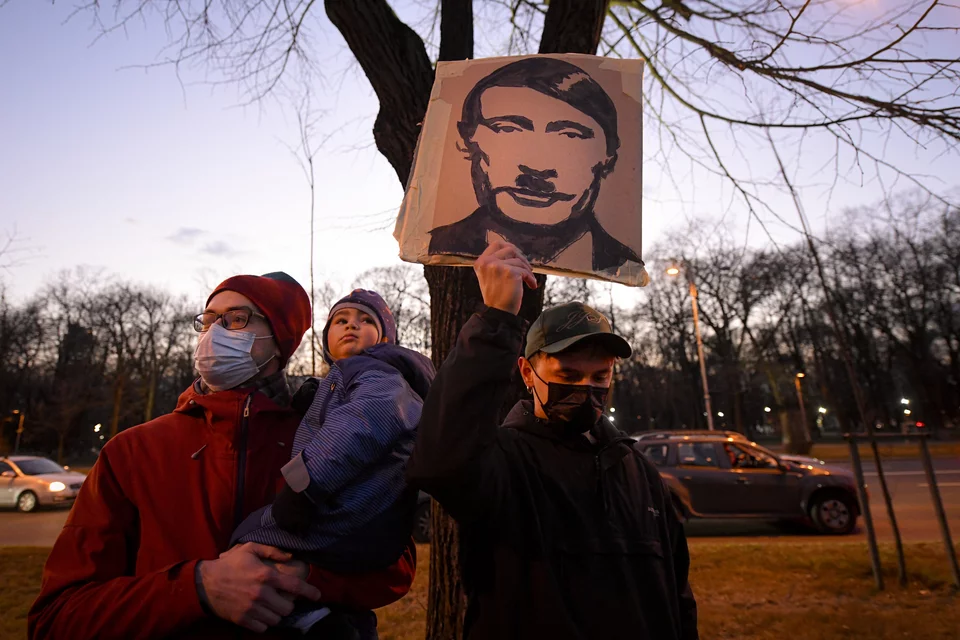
304 396
293 512
296 568
241 587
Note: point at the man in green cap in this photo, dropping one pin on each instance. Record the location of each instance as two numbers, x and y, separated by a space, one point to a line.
567 532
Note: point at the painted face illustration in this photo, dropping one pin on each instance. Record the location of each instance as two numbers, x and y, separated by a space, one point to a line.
540 158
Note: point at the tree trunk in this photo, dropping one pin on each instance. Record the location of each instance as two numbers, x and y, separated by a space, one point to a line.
454 297
573 26
117 398
796 435
61 438
151 394
738 408
395 62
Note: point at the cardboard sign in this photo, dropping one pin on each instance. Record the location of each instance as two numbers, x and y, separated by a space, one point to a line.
542 151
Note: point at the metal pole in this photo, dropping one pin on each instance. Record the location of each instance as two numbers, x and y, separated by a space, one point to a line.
803 410
703 365
16 446
865 508
938 507
888 502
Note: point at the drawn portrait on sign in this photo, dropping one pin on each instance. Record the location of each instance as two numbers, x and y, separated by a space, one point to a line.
538 137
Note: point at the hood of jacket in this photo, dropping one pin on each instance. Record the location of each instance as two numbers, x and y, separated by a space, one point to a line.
415 367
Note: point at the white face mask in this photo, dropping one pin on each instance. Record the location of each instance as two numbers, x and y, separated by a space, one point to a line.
223 357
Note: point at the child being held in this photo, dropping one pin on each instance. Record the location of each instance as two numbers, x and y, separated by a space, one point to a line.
346 506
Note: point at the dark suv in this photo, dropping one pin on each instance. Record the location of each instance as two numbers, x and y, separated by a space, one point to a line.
717 476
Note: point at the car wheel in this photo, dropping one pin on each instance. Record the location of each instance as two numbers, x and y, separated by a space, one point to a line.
27 502
833 513
421 524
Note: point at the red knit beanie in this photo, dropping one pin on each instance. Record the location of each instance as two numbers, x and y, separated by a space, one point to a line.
281 299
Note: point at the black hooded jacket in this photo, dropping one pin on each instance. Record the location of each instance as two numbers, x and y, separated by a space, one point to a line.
562 537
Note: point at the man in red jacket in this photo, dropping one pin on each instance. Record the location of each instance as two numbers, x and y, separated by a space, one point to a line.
144 552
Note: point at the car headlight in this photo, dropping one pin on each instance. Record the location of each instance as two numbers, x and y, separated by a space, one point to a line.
57 486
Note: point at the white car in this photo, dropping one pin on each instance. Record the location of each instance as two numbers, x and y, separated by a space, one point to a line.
27 482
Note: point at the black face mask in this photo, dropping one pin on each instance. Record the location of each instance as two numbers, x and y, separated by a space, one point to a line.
577 407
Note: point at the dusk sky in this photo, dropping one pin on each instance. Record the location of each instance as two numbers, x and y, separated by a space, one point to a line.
126 171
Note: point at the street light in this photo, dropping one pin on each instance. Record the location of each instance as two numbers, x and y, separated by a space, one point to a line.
720 414
904 401
674 270
803 409
16 446
767 409
822 410
907 412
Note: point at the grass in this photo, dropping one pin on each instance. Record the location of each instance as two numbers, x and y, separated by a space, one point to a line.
21 568
840 452
804 591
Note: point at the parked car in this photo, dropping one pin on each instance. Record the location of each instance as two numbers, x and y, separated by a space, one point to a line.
736 435
654 435
27 482
718 476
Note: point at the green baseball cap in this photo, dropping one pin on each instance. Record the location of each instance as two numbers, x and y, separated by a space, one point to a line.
559 328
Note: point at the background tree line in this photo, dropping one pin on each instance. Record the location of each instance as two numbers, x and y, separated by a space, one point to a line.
90 350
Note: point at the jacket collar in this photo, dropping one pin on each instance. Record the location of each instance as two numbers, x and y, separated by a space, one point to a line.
270 394
274 386
415 367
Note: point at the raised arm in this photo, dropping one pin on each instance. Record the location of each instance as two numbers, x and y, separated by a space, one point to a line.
457 458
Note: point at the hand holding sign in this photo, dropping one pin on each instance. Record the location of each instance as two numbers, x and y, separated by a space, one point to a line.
502 271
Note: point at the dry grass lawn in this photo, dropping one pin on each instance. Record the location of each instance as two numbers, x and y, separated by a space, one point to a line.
840 452
20 569
806 591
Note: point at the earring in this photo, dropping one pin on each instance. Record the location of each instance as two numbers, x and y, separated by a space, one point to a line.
530 390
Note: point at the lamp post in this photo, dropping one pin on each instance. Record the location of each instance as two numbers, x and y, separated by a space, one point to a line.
16 446
673 271
803 409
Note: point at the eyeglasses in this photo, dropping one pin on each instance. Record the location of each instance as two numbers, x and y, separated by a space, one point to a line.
232 320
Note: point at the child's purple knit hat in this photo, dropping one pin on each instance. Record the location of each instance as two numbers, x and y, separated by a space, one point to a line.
369 302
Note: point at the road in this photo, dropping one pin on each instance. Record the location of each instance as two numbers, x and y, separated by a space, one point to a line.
908 486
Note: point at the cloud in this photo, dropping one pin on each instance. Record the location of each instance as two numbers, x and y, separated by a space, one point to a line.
220 249
186 235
